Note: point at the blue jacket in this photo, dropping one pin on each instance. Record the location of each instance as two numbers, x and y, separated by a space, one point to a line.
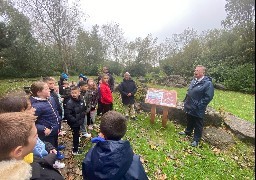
47 115
112 160
198 97
127 86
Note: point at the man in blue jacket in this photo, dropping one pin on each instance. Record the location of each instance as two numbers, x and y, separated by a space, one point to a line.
111 157
199 95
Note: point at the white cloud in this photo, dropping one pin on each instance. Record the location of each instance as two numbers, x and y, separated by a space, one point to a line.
138 18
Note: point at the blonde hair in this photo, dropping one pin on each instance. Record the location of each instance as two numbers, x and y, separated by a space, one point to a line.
46 79
36 87
15 131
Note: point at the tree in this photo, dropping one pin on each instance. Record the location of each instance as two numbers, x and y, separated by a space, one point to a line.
54 22
113 38
18 47
90 51
241 19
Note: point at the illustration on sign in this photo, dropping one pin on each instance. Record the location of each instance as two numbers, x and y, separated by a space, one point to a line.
161 97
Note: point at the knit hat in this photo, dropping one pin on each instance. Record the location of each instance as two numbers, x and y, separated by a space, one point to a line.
64 76
83 76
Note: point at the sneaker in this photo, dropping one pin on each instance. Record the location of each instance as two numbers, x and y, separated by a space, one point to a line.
90 127
183 133
194 144
75 153
58 165
134 118
61 147
64 120
87 135
59 156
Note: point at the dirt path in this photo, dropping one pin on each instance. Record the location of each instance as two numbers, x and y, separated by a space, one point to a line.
73 165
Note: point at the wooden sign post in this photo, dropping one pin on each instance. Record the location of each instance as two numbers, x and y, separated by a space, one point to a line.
163 98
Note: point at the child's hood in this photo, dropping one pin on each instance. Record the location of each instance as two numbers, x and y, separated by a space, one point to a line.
111 159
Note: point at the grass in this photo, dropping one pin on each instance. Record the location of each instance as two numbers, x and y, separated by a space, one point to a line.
165 155
239 104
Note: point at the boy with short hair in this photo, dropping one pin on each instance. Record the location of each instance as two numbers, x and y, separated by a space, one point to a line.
50 81
111 157
75 113
18 139
83 128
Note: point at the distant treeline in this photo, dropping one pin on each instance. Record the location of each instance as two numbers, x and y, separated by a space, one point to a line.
44 37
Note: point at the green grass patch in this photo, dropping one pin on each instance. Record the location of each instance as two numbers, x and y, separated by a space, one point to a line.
166 155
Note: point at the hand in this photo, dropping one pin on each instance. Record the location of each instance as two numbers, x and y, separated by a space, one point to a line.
101 135
47 131
53 151
129 94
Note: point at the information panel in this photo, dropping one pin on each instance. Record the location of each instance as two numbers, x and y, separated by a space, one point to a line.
161 97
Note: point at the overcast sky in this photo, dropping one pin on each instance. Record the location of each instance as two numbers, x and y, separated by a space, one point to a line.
161 18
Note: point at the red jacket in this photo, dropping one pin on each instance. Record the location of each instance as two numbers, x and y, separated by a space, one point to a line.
106 95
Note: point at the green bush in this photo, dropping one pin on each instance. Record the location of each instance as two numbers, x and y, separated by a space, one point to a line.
241 78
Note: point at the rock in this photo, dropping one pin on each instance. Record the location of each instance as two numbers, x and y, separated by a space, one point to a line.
244 130
142 79
219 86
178 86
218 137
176 114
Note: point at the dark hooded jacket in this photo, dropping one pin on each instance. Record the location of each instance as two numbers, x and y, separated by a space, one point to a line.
75 112
112 160
127 86
198 97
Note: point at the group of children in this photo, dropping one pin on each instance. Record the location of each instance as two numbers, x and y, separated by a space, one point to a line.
78 107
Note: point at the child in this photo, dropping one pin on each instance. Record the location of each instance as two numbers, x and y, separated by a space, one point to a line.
48 118
127 89
111 157
83 127
75 113
106 97
65 93
82 78
63 77
91 99
19 102
18 138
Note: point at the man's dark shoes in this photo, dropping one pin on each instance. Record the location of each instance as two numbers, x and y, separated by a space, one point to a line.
182 133
194 144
